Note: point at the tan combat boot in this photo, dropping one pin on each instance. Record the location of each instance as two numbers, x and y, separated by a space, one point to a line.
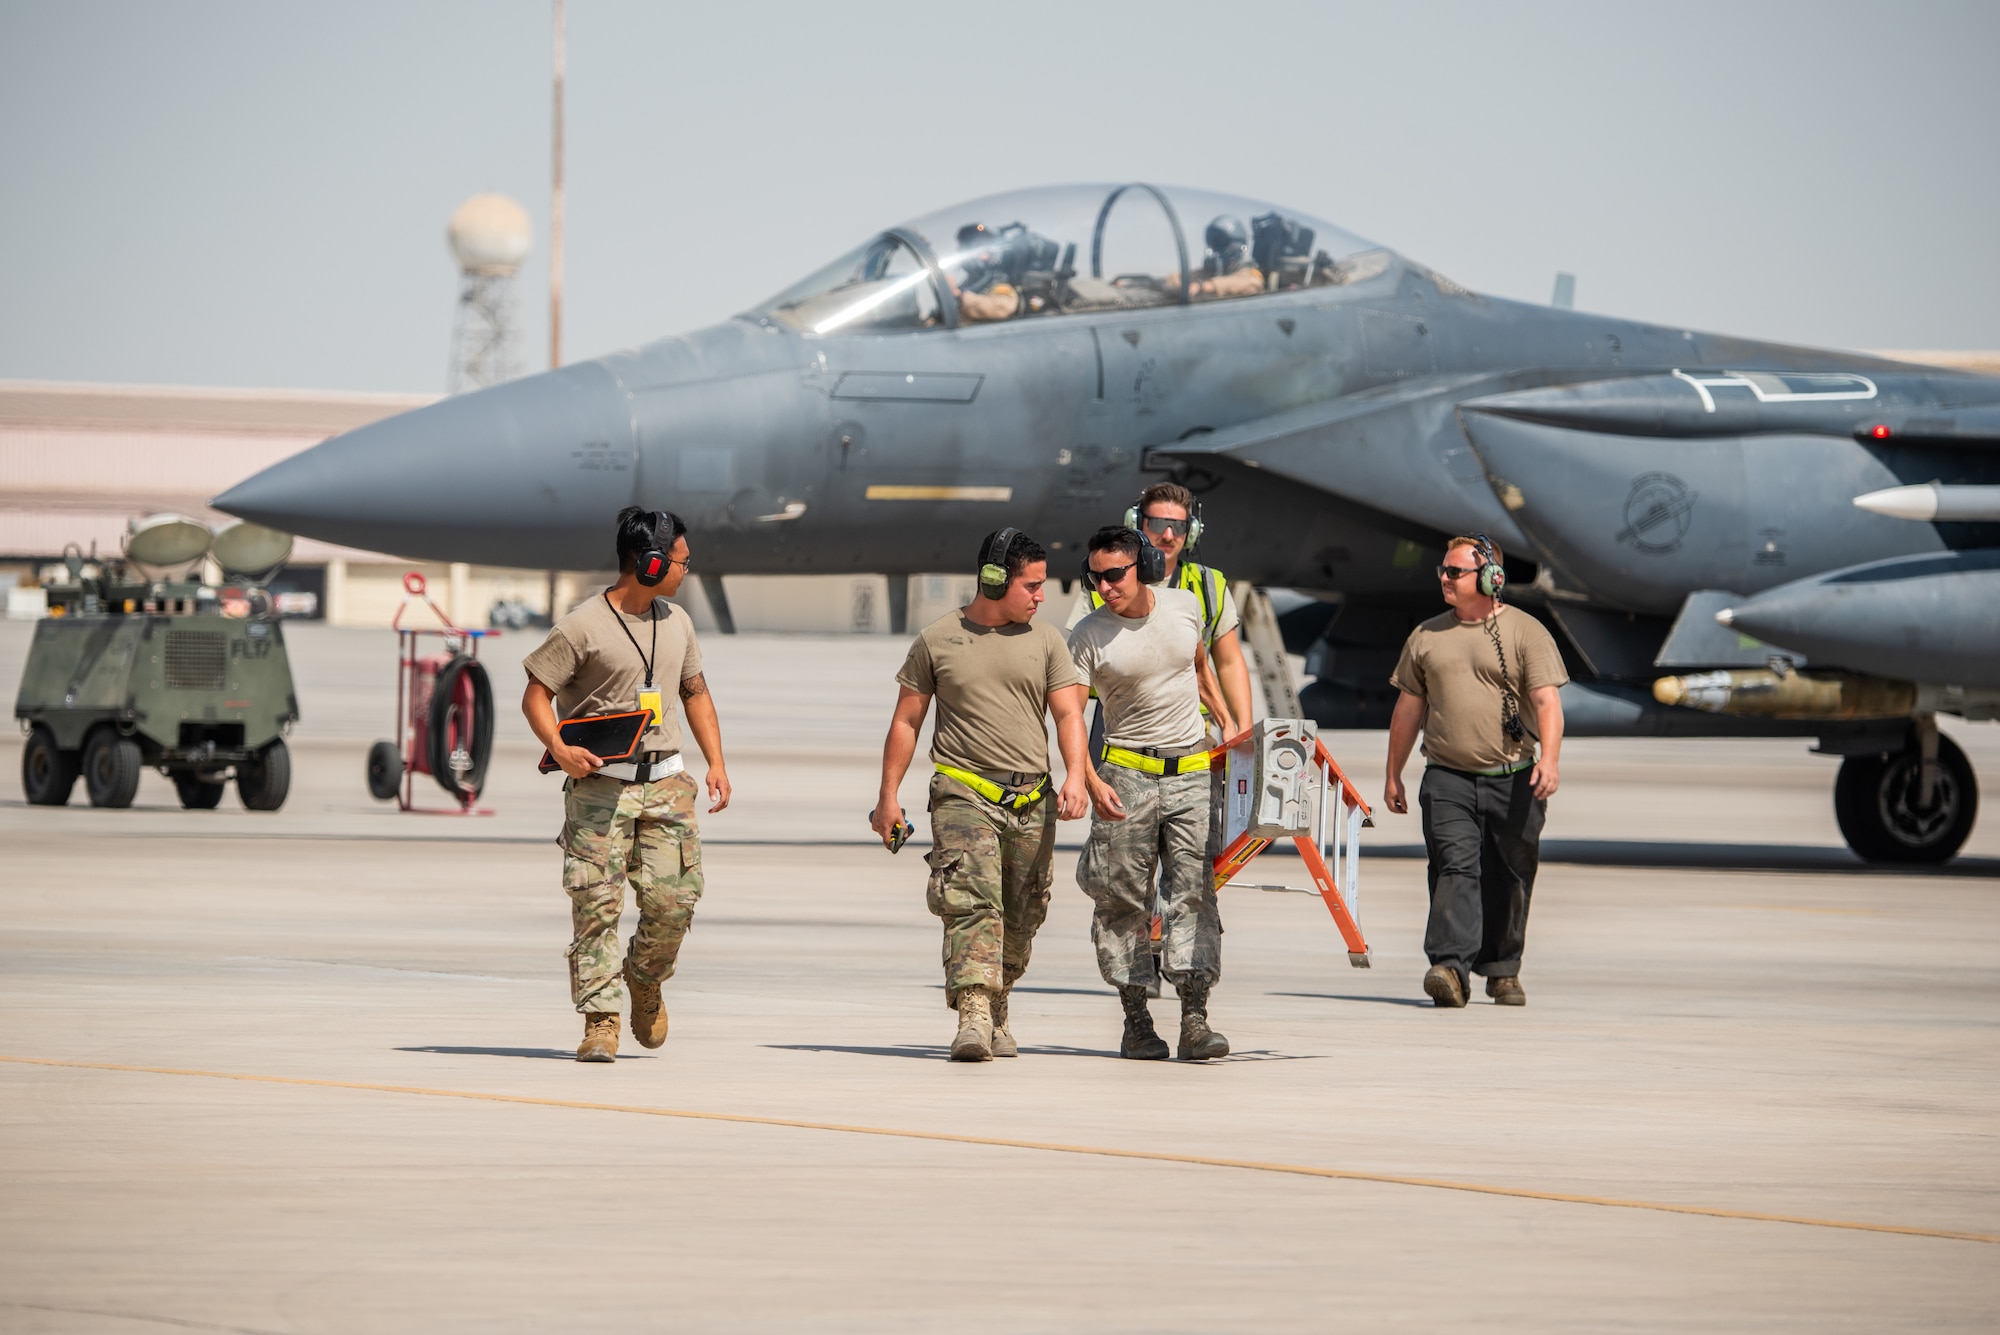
1199 1043
1442 985
1140 1041
1003 1037
974 1042
649 1013
600 1037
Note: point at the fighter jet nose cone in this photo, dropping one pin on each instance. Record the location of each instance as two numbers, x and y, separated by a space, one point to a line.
1726 617
267 498
504 476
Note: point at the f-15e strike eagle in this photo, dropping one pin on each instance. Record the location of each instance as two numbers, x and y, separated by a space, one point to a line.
1731 537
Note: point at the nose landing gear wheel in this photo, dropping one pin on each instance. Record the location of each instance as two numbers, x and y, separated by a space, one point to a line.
1876 801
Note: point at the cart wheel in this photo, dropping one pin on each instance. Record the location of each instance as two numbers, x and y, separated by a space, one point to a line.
385 771
111 766
196 792
263 780
48 773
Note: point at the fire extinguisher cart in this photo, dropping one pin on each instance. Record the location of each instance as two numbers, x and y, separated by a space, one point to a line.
444 713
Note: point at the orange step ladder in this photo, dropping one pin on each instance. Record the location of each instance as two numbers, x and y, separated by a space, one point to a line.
1283 783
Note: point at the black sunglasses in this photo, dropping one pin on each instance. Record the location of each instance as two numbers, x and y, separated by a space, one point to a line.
1108 575
1456 572
1161 524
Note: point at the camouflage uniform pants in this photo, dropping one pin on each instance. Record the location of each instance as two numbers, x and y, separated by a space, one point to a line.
990 875
1166 826
614 833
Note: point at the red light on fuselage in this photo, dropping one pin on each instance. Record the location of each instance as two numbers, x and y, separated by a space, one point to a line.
1881 431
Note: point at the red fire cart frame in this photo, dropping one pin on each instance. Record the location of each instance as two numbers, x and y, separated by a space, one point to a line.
456 640
1331 852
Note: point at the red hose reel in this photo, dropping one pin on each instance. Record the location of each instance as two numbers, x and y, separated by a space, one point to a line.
444 714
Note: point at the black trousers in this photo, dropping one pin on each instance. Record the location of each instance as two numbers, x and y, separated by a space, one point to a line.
1484 836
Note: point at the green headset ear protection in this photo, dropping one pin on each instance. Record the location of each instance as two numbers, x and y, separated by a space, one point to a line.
1492 575
1135 522
993 564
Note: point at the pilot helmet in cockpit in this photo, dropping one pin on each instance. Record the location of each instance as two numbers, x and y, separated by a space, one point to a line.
981 256
1228 244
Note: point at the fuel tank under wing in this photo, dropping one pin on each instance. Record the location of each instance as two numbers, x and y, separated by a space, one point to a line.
1924 619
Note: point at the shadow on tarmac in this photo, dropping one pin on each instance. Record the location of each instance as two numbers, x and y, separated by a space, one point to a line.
1425 1002
1719 857
1053 991
941 1052
546 1054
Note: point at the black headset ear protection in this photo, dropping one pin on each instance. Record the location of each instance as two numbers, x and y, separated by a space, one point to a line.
1152 563
993 564
650 566
1136 522
1492 575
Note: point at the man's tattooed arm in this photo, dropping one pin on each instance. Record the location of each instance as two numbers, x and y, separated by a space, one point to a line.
693 686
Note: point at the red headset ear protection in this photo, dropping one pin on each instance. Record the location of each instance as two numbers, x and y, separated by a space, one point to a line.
1492 575
650 566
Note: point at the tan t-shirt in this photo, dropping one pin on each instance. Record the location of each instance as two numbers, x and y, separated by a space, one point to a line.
992 686
1453 667
593 667
1142 669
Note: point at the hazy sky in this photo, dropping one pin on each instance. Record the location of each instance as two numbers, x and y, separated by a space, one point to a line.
255 194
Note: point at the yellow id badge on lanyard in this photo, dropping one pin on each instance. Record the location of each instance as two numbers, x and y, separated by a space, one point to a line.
649 700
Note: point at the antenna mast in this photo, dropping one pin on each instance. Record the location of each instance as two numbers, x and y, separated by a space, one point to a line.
556 193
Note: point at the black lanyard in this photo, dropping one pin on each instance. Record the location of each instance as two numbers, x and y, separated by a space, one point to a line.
616 616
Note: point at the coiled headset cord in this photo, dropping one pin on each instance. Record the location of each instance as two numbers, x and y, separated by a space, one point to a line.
1510 704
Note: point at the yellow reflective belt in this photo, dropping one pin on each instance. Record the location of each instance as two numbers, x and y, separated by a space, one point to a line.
1119 756
993 792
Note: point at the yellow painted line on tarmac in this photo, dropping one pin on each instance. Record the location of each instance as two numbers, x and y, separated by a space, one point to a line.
1812 908
1052 1147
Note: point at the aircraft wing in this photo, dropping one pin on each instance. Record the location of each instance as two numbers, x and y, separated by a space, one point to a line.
1398 450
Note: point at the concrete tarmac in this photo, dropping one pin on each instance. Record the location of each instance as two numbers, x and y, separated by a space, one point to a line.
309 1070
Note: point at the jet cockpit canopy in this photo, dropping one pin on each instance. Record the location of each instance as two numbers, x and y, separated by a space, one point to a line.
1066 250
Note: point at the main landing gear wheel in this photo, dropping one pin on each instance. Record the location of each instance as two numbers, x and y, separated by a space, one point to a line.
1876 801
48 773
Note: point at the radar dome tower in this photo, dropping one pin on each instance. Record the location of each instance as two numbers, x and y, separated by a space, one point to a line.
489 236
